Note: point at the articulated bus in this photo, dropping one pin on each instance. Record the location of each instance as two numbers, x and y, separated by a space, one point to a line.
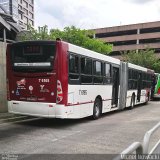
157 86
56 79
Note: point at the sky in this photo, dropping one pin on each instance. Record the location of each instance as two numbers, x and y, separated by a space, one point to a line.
91 14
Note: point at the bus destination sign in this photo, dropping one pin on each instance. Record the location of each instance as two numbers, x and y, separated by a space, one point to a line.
28 50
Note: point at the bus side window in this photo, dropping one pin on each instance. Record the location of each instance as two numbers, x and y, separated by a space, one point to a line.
130 79
86 70
73 67
107 73
97 72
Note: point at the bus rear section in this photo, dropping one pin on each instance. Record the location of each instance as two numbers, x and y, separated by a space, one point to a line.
34 84
139 85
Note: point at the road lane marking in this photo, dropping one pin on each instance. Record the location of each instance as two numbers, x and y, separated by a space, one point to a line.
63 137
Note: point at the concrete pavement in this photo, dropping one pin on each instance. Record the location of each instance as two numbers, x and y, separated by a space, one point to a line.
110 134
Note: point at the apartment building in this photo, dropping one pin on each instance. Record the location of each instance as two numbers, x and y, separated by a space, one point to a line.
21 10
131 37
11 7
26 12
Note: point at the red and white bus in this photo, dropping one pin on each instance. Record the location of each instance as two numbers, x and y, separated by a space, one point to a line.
56 79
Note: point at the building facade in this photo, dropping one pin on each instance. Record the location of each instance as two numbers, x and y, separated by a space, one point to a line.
26 12
131 37
11 6
21 10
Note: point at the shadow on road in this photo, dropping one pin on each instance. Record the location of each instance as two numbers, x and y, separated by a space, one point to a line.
29 126
62 123
155 100
54 123
65 123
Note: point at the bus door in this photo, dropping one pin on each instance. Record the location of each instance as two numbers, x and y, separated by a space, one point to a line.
139 85
115 87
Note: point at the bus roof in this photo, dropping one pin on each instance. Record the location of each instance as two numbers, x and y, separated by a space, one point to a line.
130 65
33 42
89 53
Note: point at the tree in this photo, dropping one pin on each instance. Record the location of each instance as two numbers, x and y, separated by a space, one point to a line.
145 58
71 34
81 38
34 34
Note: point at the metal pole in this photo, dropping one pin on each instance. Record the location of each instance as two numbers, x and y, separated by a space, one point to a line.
147 137
138 32
4 35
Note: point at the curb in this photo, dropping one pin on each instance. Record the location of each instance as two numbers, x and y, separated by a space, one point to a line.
8 117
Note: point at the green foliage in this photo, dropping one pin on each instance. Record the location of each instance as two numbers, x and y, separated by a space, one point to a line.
33 34
145 58
69 34
81 38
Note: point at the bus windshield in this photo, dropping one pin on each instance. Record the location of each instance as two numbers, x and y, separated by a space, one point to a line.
33 58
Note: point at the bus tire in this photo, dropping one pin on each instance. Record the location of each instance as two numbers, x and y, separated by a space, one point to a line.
97 109
148 98
132 102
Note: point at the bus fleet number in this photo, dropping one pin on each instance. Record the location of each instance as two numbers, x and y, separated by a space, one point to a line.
44 80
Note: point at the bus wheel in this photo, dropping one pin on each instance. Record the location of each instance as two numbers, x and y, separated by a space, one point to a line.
148 98
132 102
97 108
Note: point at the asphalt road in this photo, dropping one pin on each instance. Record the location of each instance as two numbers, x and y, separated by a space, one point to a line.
110 134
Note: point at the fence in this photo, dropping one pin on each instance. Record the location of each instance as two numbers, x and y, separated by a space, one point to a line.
3 102
138 148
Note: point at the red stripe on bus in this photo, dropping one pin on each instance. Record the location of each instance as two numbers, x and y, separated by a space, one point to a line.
70 104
